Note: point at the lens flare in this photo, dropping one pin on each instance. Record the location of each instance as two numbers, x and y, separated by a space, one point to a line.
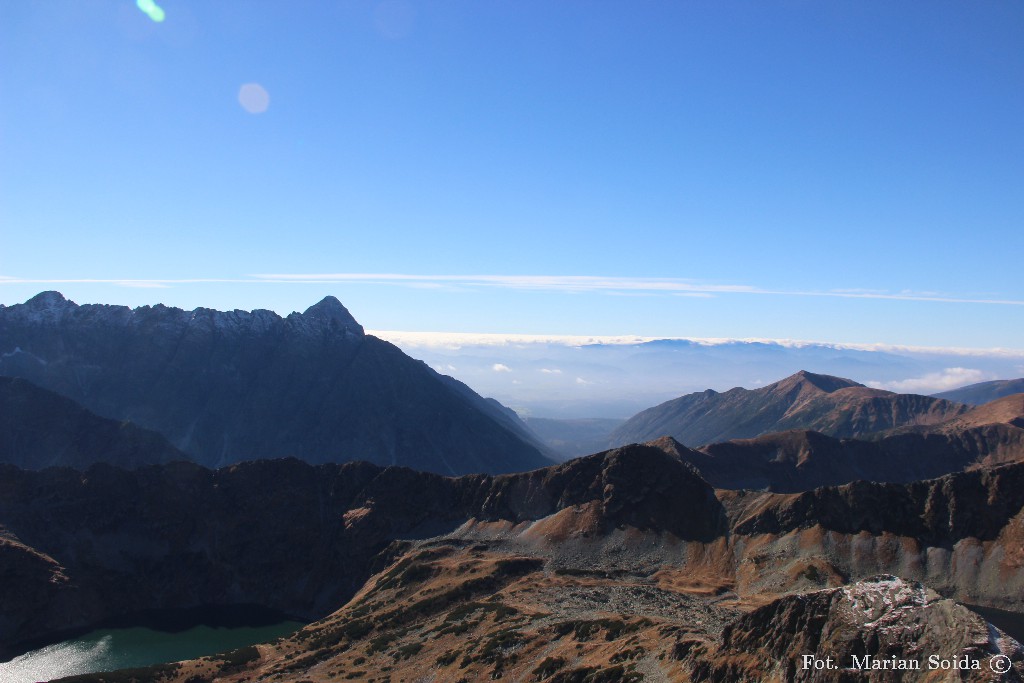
151 9
254 98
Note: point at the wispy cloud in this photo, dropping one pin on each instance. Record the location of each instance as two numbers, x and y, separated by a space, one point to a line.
501 367
143 284
934 382
549 283
566 283
593 283
551 371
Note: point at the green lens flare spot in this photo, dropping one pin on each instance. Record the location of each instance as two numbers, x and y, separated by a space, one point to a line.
151 9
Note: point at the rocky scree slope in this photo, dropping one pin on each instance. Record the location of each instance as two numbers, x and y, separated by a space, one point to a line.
230 386
883 618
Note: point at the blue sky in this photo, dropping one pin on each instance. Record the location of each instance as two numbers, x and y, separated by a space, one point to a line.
836 171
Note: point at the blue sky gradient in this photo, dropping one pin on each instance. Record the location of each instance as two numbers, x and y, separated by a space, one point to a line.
760 155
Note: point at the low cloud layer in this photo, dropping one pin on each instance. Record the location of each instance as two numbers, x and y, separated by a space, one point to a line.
935 382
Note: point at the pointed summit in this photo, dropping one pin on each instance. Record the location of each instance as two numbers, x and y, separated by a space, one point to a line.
331 312
45 300
48 307
826 383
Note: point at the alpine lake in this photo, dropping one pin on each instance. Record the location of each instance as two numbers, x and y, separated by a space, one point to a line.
148 639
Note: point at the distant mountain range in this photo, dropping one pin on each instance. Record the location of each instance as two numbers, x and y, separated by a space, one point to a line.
609 377
229 386
830 405
983 392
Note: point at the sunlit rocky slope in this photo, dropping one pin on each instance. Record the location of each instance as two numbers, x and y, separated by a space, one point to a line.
830 405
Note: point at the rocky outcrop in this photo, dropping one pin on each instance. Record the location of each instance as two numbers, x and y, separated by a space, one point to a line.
230 386
39 428
940 512
806 401
882 629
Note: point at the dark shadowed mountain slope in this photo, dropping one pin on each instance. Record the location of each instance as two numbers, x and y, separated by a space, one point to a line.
231 386
983 392
80 547
830 405
620 558
39 428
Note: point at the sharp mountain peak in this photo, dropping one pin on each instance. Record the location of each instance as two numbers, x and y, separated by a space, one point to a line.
826 383
330 310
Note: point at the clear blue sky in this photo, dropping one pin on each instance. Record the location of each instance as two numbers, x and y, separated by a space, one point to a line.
790 150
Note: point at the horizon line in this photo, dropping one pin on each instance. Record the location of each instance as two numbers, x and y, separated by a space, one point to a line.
458 339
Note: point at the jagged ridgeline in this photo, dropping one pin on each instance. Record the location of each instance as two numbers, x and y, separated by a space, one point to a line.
224 387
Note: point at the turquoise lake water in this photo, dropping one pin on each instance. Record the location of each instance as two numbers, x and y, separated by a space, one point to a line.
109 649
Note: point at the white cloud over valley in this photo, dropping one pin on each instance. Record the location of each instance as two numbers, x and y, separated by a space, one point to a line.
935 382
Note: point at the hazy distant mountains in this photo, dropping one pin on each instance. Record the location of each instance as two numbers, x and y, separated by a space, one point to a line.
229 386
829 405
608 377
573 438
983 392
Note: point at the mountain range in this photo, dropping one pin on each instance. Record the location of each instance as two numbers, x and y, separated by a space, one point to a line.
229 386
830 405
625 562
820 518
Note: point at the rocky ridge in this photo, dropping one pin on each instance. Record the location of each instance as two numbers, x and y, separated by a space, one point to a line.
830 405
801 460
636 525
229 386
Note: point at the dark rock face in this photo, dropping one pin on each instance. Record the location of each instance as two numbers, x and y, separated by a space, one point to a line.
857 632
281 533
940 512
637 486
231 386
39 428
830 405
800 460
